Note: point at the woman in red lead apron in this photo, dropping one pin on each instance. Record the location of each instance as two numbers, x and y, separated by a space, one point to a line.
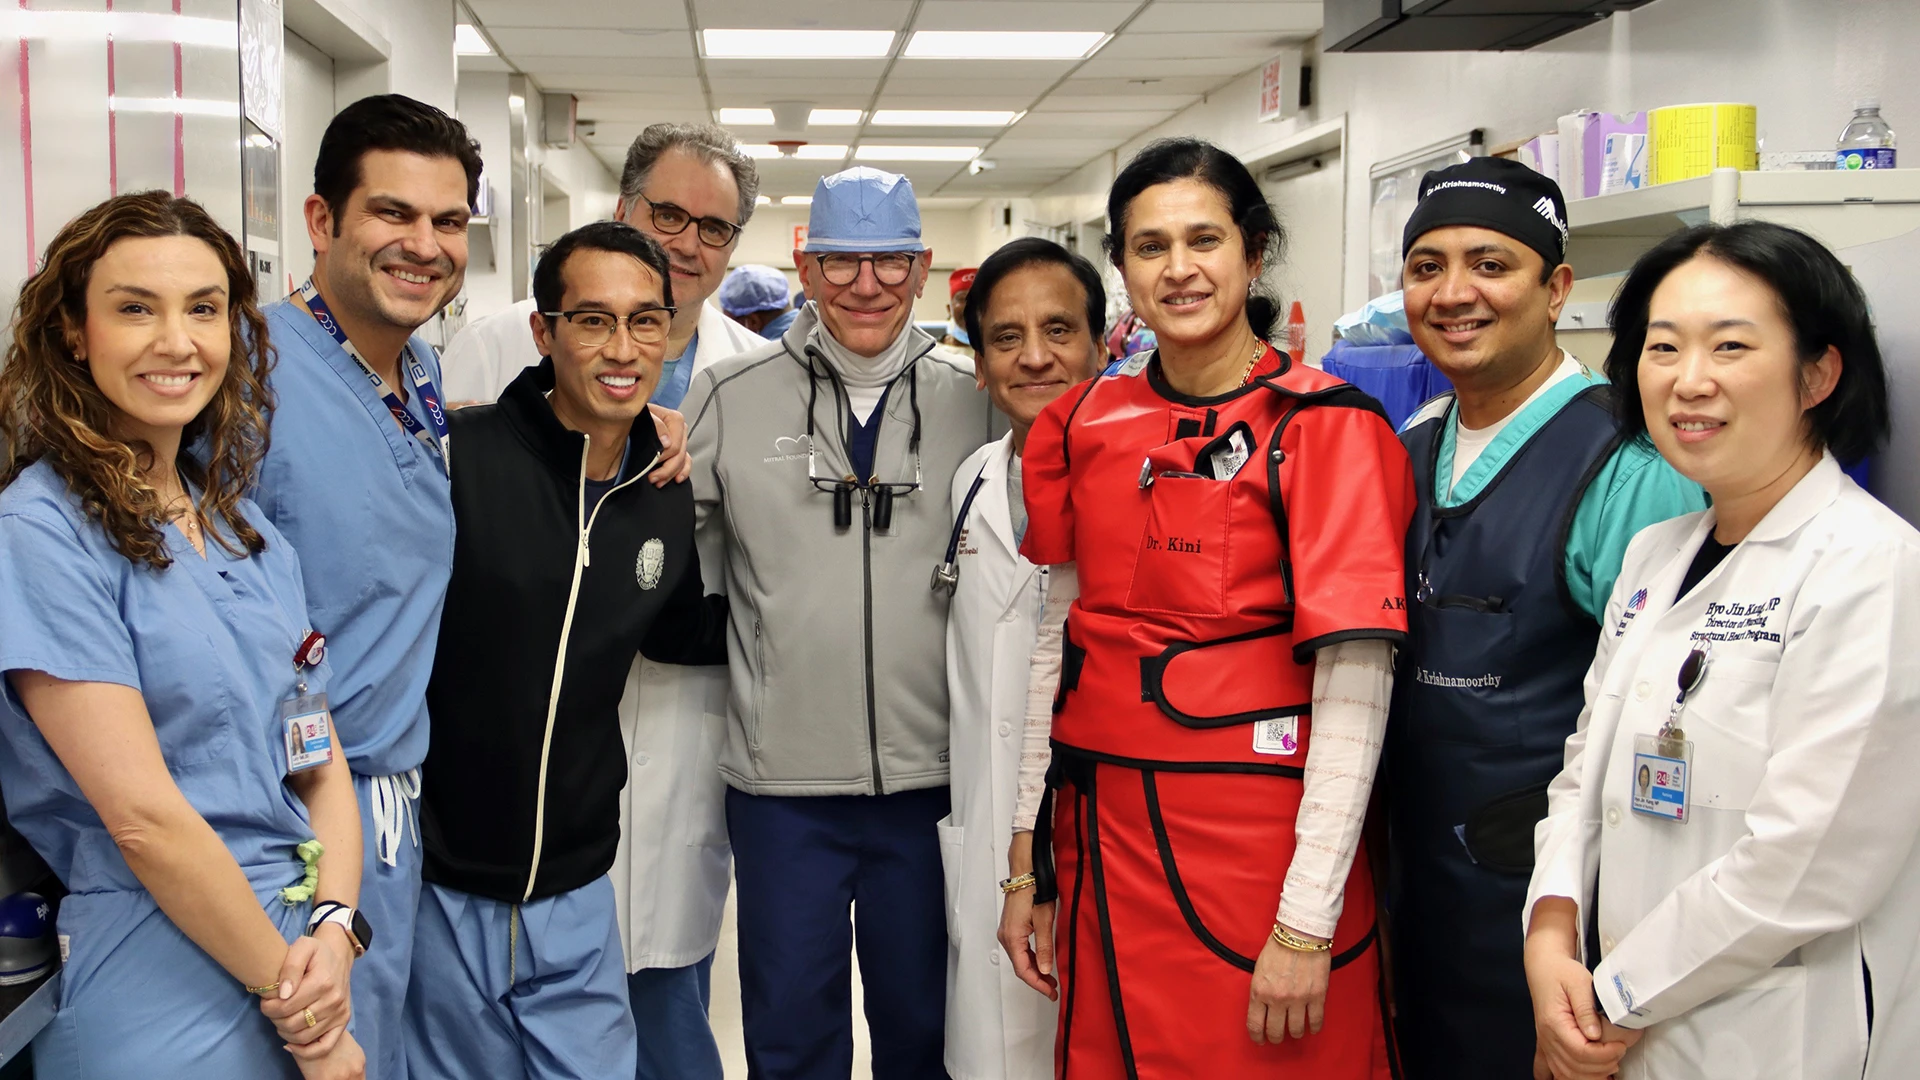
1226 529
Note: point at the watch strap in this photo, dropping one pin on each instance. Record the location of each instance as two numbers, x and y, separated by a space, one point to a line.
333 911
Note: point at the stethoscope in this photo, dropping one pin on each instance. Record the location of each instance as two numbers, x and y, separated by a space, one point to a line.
946 576
843 488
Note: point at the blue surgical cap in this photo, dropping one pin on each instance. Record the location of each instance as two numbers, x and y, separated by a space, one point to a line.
864 209
752 288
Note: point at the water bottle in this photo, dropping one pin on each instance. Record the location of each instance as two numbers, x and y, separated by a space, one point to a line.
1867 143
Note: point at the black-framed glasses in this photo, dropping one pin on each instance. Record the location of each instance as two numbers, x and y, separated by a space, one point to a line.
673 220
648 326
889 267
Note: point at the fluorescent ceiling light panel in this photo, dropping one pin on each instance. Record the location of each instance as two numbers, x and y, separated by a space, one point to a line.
796 44
762 200
1004 45
834 117
746 117
944 117
870 152
796 200
468 42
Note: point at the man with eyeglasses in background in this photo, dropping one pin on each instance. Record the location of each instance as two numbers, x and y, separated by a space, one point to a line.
834 447
565 564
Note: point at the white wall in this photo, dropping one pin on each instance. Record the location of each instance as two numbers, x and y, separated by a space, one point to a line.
592 190
419 36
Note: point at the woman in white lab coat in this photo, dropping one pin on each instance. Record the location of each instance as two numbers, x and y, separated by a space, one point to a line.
1034 314
1735 828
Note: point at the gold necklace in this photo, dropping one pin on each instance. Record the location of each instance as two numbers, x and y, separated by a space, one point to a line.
1259 350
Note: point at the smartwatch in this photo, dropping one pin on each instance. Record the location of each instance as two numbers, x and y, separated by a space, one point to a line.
359 931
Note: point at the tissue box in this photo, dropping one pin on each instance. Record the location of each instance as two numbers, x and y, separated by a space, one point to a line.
1583 148
1542 154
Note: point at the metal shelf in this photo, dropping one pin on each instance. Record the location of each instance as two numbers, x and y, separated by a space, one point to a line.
1608 232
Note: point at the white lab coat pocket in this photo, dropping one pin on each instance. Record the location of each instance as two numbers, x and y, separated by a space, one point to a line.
1753 1032
1729 732
953 843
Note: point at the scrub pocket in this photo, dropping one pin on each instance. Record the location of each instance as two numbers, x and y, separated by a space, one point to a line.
1753 1032
1461 633
1499 835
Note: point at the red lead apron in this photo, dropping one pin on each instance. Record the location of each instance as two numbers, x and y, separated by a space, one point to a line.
1183 719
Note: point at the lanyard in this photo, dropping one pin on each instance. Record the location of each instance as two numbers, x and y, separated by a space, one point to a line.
421 380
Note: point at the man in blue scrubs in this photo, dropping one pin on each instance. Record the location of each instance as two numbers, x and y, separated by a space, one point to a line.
356 478
1528 496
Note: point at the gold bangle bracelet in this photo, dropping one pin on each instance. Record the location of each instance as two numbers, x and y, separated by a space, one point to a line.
1291 940
263 991
1015 884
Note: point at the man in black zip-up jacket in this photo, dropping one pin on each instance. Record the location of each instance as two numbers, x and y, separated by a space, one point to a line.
567 559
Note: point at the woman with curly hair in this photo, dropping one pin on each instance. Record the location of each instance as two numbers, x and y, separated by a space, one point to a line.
166 745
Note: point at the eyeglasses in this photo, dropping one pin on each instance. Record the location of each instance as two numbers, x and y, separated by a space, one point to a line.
648 326
889 267
672 221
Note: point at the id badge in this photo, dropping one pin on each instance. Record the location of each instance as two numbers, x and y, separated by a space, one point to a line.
1662 771
308 729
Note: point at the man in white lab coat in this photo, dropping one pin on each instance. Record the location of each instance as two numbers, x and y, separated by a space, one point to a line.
690 187
1034 316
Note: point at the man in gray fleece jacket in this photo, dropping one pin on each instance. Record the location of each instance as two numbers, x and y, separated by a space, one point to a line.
821 466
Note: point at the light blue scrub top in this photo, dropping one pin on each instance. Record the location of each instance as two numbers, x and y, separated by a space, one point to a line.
209 645
675 377
369 509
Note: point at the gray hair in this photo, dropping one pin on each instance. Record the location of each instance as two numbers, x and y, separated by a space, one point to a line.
710 143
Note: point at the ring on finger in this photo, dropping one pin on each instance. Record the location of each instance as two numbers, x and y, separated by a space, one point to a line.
311 1019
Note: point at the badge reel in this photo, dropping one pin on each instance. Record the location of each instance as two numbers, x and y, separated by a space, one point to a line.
304 720
1663 763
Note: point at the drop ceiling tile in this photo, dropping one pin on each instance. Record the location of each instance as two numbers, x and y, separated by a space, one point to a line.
1169 46
795 69
1021 15
1072 98
1219 69
991 97
660 85
803 14
756 92
1035 123
1115 85
641 109
526 42
957 76
556 69
1049 149
663 14
1198 16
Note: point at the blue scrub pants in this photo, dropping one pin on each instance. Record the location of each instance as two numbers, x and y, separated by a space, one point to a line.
670 1015
800 861
138 998
389 897
512 991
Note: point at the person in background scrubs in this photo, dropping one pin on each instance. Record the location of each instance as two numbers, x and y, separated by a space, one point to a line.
1035 310
958 284
755 296
357 479
1529 491
156 652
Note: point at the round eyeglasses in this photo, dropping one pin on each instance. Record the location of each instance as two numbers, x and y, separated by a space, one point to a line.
671 220
648 326
889 267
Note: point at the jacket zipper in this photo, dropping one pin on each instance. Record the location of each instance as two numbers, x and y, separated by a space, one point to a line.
866 581
582 559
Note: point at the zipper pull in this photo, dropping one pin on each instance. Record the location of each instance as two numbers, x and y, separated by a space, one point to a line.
586 551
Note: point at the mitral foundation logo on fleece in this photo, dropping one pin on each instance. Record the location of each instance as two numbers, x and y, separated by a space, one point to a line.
1635 605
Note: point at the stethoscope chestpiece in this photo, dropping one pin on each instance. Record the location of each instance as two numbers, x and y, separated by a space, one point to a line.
946 579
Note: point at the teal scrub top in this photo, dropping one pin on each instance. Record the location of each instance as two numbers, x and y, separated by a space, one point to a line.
1634 489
